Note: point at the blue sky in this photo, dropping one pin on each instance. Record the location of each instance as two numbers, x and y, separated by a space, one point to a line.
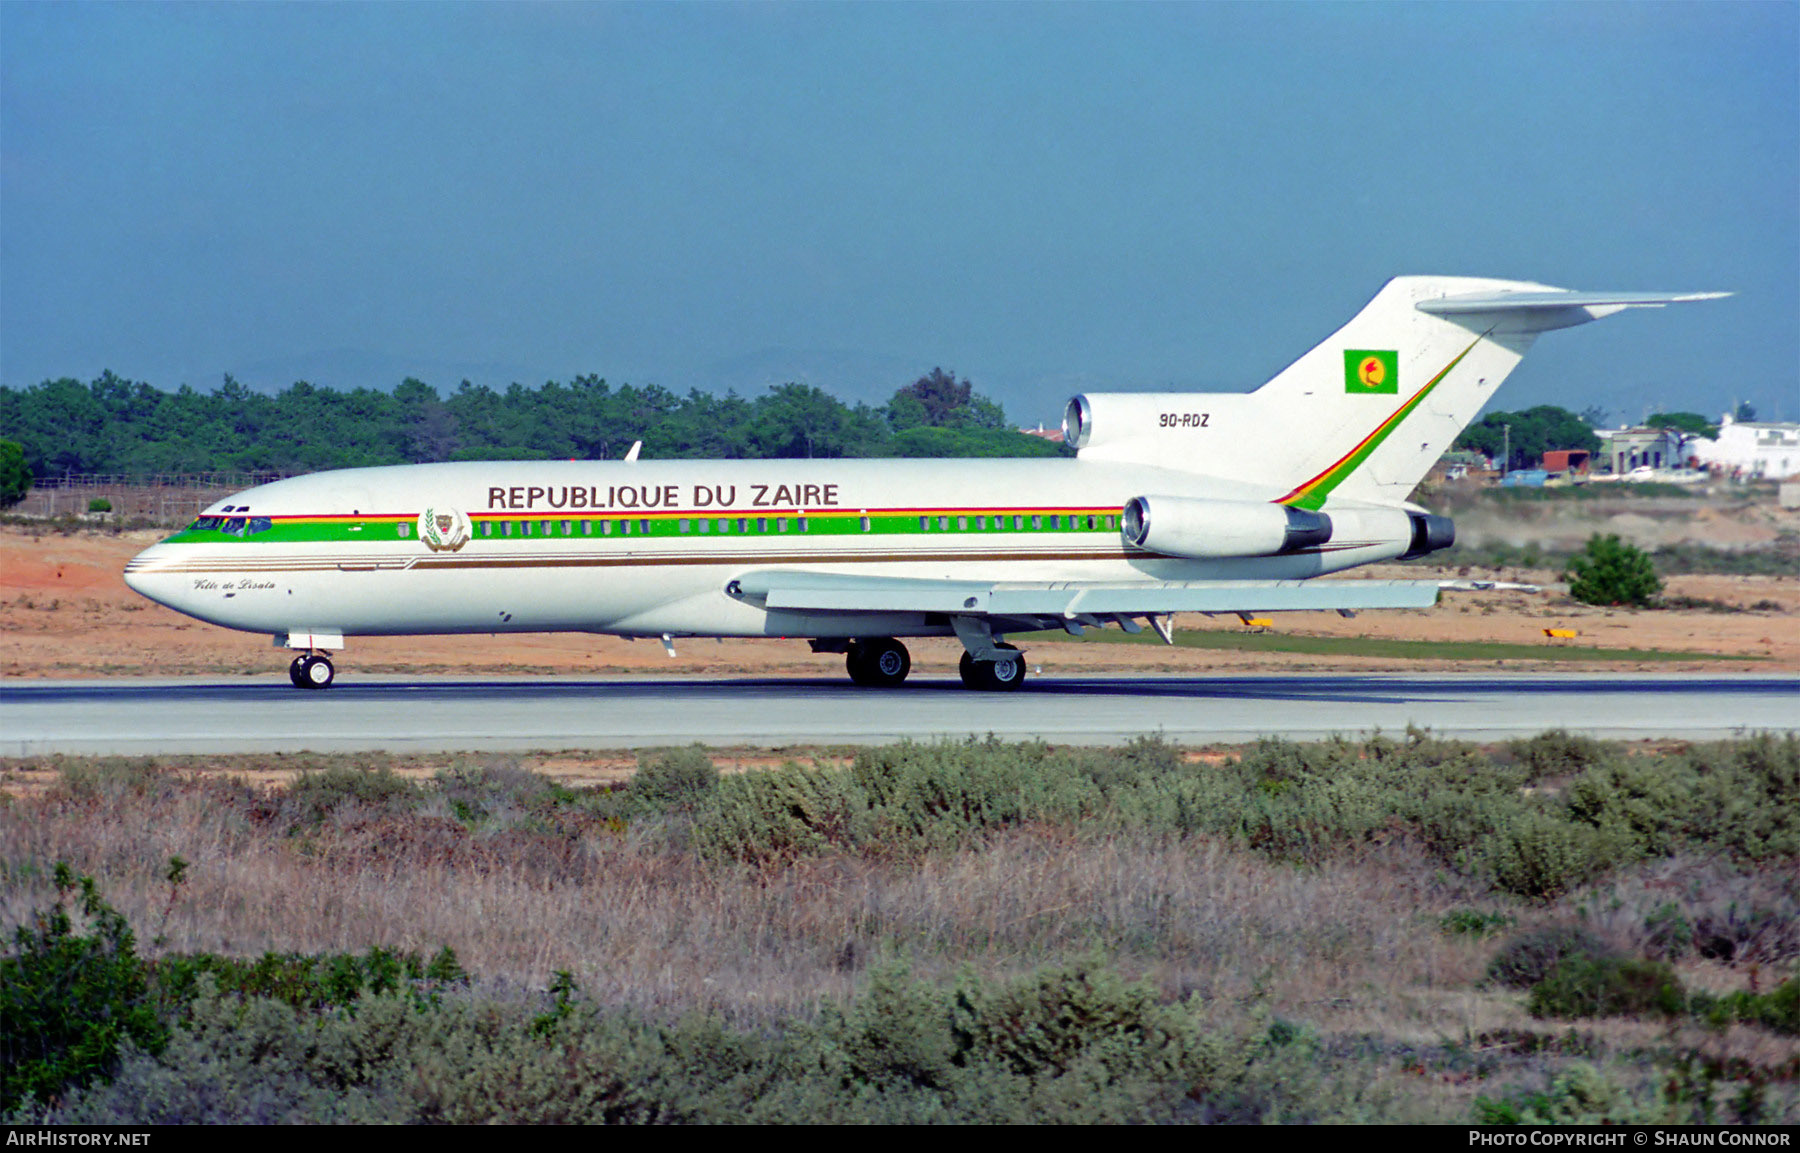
1044 198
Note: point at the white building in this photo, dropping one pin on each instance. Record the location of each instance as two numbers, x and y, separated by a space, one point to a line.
1623 449
1752 448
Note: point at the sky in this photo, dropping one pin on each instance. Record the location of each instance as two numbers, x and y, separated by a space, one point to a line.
1042 198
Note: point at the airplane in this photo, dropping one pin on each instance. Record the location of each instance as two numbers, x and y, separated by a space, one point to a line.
1174 502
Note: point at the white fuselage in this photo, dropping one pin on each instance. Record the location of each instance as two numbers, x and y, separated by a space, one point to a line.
563 546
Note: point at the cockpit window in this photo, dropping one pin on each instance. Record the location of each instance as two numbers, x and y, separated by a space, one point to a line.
260 524
234 526
208 522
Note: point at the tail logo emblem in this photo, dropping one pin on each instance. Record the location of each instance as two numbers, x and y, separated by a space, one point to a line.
1371 371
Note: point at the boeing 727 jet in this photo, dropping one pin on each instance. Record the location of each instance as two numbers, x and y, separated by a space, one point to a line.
1175 502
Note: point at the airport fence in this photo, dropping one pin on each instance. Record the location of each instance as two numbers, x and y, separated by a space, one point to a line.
172 498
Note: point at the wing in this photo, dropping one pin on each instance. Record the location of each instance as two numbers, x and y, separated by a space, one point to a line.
1024 605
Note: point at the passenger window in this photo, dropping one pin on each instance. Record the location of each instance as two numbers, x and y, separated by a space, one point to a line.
606 528
1037 521
865 524
487 528
724 524
944 523
566 530
743 524
781 524
705 525
1109 522
643 527
1018 523
962 524
924 524
404 528
684 524
506 528
762 524
802 524
524 528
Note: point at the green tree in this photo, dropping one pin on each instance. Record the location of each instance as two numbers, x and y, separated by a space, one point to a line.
1611 572
1686 427
940 400
15 477
1533 432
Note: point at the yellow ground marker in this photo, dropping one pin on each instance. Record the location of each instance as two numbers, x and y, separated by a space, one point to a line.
1561 634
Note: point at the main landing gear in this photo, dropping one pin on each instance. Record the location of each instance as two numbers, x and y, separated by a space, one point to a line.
883 662
998 676
311 671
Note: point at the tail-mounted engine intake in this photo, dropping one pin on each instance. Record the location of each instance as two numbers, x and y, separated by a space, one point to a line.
1176 526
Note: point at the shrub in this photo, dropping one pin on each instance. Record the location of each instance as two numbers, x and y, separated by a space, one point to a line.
1558 753
99 504
675 779
1778 1010
307 981
68 1001
1473 922
1611 572
1582 1096
1542 855
1526 959
1607 987
1671 934
314 796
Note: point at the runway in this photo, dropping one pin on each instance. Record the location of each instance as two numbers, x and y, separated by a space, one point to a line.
436 714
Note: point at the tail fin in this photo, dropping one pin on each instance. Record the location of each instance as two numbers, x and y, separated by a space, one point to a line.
1368 411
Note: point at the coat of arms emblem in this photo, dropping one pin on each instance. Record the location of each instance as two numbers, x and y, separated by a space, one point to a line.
443 530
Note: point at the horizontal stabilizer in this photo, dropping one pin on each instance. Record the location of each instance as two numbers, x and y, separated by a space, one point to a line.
1491 302
1057 600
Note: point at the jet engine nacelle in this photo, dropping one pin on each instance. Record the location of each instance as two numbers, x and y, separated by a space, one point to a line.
1122 425
1183 527
1430 533
1403 534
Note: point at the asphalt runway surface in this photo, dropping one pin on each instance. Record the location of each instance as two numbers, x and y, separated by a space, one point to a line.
436 714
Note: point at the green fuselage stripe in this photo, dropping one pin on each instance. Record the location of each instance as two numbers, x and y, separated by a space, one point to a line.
624 526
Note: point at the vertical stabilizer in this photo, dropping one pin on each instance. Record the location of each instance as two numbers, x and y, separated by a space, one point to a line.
1368 411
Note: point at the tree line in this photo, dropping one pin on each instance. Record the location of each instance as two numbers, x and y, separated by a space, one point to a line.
112 425
1529 434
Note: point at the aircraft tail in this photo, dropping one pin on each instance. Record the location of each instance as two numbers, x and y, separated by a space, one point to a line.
1368 411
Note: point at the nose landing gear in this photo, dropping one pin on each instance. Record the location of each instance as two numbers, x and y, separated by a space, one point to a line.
312 671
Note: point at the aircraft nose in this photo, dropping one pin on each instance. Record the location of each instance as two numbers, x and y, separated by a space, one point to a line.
142 575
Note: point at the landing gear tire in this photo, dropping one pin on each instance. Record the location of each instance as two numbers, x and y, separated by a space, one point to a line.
1002 676
878 664
312 672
